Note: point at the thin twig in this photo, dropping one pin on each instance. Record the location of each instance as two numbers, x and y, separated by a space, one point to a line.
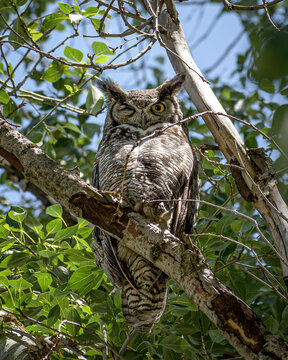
198 150
249 249
131 27
252 7
127 341
104 17
268 15
10 77
123 34
161 42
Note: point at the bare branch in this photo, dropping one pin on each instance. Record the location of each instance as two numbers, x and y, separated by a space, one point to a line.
231 6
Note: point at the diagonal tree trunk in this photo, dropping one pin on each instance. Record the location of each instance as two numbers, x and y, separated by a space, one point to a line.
255 183
237 322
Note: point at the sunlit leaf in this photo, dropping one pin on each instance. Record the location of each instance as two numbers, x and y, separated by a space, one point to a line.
44 280
54 225
54 315
66 233
4 97
53 20
95 100
100 48
20 284
101 59
65 8
73 54
55 210
54 72
15 259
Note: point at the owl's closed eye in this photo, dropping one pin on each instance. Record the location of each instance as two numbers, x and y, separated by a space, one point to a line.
143 108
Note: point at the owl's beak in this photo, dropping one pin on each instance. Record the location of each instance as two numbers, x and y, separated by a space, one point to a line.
143 120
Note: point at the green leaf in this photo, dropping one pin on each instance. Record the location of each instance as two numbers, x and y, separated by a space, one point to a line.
54 72
91 129
35 34
20 284
53 226
4 280
174 342
284 92
69 88
77 8
90 11
4 97
100 48
65 8
20 2
236 225
66 233
85 279
8 108
73 54
15 260
17 214
96 24
94 100
62 273
72 127
17 27
44 280
216 336
53 20
102 59
55 211
267 85
47 253
84 232
6 245
74 316
4 232
54 315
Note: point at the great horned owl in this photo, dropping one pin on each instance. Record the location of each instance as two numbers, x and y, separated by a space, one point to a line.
145 157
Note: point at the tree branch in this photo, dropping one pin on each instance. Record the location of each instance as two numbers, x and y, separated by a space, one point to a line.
226 135
231 6
187 267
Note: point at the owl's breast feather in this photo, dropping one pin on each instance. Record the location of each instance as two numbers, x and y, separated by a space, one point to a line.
149 166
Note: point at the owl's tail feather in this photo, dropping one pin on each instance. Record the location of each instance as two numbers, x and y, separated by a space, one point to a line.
144 302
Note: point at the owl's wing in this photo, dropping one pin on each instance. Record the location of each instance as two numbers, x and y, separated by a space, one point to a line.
185 211
194 188
104 246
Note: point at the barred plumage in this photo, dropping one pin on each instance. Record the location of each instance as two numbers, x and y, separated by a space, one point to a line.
146 154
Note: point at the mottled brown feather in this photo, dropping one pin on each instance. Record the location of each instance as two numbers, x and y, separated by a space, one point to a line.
148 155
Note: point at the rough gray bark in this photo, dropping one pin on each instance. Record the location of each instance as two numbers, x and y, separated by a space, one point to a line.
185 266
255 183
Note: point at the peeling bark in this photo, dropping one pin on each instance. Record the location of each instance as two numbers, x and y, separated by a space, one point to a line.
265 195
187 267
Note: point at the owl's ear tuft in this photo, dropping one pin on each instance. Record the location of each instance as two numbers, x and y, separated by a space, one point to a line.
111 89
171 87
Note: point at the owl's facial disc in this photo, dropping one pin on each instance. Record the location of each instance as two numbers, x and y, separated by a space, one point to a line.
142 114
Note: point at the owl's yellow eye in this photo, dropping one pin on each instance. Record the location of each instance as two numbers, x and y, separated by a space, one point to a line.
158 108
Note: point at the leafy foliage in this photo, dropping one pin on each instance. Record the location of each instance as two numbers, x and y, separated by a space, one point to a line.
48 277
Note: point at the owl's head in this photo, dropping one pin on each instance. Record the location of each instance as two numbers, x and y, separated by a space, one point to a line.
143 108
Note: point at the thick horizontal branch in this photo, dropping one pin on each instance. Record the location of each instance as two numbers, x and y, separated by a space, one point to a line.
187 267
